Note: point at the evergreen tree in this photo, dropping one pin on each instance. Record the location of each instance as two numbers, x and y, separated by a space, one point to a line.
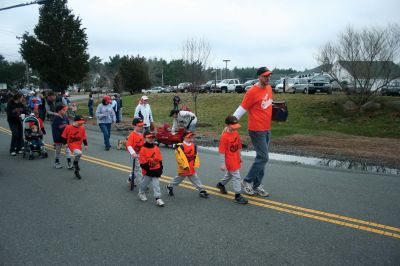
58 50
12 73
133 74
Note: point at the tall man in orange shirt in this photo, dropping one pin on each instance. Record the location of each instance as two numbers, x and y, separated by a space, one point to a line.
258 103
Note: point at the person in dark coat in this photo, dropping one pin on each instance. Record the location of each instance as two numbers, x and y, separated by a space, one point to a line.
16 111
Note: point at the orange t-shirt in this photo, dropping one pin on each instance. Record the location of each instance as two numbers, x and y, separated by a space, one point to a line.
230 145
150 156
190 152
258 103
74 136
135 140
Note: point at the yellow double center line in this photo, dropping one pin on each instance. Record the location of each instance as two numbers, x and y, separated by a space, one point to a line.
372 227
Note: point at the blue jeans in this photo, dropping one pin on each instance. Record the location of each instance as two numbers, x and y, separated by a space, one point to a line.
260 140
106 129
90 111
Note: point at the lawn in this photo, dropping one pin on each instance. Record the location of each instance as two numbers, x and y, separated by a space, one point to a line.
308 114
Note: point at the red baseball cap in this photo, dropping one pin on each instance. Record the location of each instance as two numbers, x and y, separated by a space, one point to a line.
149 134
107 99
263 71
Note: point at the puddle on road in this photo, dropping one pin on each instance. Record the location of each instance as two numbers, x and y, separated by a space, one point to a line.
352 165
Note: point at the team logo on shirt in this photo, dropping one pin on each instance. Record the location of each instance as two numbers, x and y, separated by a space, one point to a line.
75 137
234 146
266 102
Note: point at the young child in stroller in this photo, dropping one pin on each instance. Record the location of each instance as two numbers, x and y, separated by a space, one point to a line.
33 138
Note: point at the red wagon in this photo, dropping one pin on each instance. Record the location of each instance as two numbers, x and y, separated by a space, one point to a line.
165 136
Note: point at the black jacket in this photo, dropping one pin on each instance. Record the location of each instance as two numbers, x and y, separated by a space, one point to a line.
14 110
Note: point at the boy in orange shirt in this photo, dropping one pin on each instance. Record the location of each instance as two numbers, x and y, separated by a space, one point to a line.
74 135
229 151
134 143
150 159
188 160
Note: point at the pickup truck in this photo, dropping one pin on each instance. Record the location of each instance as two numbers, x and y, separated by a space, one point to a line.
228 85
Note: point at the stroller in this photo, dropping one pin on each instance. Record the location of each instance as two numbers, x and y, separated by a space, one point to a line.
33 138
165 136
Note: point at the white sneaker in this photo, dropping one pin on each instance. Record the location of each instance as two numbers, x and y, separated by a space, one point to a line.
142 196
160 202
13 153
260 191
247 187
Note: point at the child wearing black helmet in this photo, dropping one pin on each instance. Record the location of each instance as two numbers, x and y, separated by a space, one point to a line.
229 151
150 159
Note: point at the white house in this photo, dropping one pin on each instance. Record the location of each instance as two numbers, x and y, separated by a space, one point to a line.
366 74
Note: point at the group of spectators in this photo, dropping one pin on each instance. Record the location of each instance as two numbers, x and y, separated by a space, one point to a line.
18 105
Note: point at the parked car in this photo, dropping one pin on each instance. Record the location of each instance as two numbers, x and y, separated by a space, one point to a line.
391 89
248 84
206 87
290 83
184 86
273 83
300 85
228 85
321 83
154 90
213 85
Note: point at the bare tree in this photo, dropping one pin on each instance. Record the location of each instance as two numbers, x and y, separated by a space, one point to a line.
195 53
367 55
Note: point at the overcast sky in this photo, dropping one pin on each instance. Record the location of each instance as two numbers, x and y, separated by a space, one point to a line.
250 33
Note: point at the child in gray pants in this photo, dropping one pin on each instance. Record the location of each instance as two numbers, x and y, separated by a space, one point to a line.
229 150
150 159
187 160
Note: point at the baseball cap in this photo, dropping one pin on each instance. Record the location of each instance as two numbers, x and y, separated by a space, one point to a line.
148 134
144 97
232 121
263 71
188 134
79 118
107 98
137 121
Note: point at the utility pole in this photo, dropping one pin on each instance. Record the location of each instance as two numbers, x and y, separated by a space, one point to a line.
39 2
226 67
162 77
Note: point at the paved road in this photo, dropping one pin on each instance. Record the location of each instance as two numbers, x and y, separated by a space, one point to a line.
315 216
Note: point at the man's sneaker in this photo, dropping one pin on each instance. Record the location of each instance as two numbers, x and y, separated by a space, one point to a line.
160 203
222 188
142 196
13 153
57 165
241 200
204 194
20 151
260 191
70 165
248 188
170 190
77 174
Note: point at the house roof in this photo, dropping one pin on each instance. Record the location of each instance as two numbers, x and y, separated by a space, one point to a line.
372 70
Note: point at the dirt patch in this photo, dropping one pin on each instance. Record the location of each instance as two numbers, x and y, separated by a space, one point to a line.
380 151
